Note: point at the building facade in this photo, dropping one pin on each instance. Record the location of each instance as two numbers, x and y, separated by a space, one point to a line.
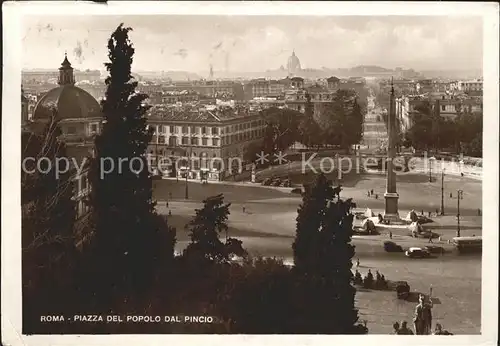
202 143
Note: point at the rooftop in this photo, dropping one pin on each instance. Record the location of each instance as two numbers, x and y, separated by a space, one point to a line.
198 114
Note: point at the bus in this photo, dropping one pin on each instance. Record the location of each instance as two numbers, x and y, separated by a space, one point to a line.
468 244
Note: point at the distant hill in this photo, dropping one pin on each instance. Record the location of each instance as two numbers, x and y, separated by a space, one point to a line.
454 74
173 75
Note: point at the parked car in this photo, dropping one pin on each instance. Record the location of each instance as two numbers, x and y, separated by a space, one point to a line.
402 289
390 246
267 182
417 252
276 182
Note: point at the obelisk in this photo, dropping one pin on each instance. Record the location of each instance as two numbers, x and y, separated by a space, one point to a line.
391 196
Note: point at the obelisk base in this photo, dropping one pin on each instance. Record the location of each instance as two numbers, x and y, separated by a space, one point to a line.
391 207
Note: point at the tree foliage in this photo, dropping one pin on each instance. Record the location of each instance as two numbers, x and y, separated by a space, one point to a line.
280 132
206 228
430 130
323 257
130 240
48 218
342 119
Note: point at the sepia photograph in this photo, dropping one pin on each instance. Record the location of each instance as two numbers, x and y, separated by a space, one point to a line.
268 174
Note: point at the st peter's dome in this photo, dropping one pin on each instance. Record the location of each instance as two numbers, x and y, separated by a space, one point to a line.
293 64
71 102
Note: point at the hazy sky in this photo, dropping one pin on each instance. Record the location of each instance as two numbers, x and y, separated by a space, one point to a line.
250 43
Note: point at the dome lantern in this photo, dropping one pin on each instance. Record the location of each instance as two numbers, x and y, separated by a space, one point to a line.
66 76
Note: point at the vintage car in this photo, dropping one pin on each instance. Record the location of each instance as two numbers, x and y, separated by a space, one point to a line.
390 246
417 252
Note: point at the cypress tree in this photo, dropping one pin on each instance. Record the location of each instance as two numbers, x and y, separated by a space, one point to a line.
130 239
323 260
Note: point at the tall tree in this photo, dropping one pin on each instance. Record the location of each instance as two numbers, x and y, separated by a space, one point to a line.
323 258
206 229
342 119
130 239
48 217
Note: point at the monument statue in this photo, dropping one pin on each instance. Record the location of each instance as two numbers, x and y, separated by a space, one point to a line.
423 316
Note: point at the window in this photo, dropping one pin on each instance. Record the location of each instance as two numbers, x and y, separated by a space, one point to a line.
93 128
185 140
193 129
161 139
215 141
185 129
172 129
194 141
71 130
172 141
443 107
215 131
204 141
203 130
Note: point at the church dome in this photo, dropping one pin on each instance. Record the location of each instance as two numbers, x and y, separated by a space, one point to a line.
70 101
293 64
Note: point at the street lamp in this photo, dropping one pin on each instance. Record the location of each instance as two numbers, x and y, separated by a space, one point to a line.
442 192
459 196
431 160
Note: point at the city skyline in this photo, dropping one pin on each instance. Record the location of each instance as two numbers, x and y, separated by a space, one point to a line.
174 43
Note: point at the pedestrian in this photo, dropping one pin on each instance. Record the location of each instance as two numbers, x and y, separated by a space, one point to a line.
167 204
243 208
429 213
376 196
357 263
430 238
170 212
390 234
404 330
451 194
422 212
371 191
